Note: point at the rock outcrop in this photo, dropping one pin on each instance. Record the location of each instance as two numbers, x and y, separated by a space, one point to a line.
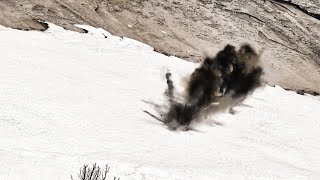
287 30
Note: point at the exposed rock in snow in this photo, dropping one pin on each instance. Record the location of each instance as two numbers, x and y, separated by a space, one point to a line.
287 30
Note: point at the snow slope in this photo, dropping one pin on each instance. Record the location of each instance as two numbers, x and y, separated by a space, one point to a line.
68 98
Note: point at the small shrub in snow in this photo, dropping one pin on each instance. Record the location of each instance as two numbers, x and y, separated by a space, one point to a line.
94 173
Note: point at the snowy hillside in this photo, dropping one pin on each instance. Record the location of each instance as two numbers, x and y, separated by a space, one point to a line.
67 99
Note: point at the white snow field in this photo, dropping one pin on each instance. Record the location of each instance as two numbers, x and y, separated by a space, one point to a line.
68 99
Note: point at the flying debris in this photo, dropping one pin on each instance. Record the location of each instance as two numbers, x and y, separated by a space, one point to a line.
220 83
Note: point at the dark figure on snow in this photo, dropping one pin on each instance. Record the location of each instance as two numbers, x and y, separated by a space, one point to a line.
219 83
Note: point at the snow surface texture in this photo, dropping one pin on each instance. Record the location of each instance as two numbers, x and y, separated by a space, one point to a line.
68 98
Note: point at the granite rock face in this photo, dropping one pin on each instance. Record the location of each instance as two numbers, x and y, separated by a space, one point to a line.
288 31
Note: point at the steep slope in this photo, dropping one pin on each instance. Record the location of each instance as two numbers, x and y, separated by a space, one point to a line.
287 30
69 98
